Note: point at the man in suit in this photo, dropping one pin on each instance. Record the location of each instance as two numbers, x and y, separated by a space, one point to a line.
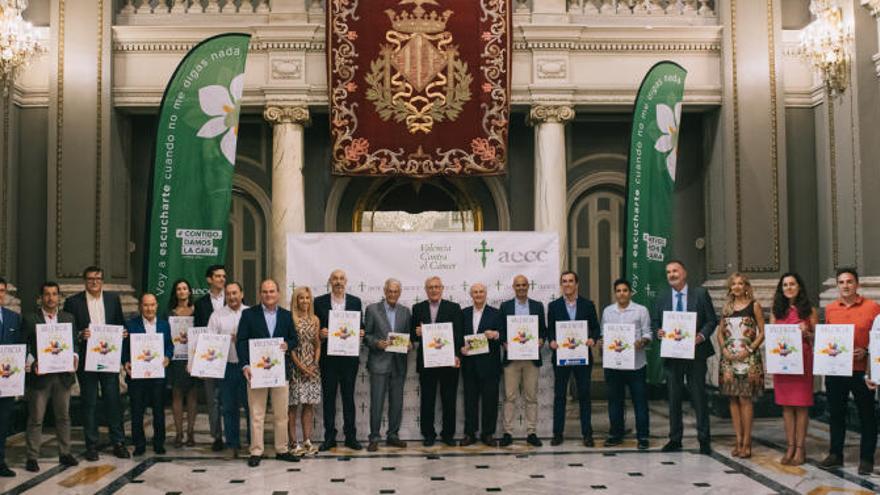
522 374
147 391
572 307
40 389
10 333
205 306
264 321
680 297
94 305
337 372
387 369
481 372
437 310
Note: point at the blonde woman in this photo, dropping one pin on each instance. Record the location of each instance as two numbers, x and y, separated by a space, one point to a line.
305 384
741 372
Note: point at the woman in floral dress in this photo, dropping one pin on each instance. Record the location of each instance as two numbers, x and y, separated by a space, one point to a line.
305 384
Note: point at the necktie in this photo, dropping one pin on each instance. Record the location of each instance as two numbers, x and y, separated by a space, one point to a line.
679 306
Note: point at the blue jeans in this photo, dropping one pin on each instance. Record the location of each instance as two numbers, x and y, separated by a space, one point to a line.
560 390
233 396
617 381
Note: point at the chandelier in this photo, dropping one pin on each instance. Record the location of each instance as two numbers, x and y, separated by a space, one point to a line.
18 39
825 43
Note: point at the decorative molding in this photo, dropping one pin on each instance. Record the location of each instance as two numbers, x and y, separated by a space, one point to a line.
99 136
544 114
299 115
287 68
832 164
873 7
620 46
59 148
256 46
4 202
551 68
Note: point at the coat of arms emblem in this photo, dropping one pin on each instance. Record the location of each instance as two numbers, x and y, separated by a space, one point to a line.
418 78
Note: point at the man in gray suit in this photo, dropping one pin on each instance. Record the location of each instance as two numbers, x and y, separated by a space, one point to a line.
55 387
387 369
681 297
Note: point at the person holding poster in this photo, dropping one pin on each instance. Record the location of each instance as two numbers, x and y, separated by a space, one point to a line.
626 311
853 309
741 370
264 321
572 307
149 391
521 377
183 386
305 383
55 387
437 310
10 323
213 301
681 297
233 389
94 305
387 369
338 373
791 306
481 372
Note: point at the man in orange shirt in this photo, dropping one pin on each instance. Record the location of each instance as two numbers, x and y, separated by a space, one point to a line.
852 309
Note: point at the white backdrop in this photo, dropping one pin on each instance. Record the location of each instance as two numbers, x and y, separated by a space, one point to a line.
458 258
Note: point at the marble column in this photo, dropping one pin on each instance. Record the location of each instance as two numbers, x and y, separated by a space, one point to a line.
550 169
288 199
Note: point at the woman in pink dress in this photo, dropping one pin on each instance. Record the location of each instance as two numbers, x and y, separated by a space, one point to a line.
795 392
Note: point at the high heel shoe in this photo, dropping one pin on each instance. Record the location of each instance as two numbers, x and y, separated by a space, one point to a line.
789 455
178 440
735 452
800 456
190 439
746 451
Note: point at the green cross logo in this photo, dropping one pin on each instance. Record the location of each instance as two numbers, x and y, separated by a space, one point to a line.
482 252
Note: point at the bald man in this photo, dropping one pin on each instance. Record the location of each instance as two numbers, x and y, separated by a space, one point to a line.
337 372
482 372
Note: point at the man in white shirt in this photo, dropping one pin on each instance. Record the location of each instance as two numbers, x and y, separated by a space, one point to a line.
626 311
233 388
215 276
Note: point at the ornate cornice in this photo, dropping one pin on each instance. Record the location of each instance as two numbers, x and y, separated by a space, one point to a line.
275 115
542 114
184 46
620 46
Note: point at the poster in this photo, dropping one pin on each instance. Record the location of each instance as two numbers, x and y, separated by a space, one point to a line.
212 352
679 341
476 344
398 343
833 350
55 348
619 340
344 338
571 341
874 356
147 356
12 363
180 326
783 347
522 338
104 348
192 340
267 363
438 345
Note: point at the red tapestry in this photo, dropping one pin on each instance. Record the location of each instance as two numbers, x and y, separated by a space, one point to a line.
419 87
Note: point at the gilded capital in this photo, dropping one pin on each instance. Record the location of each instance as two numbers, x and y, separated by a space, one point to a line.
873 7
276 114
559 114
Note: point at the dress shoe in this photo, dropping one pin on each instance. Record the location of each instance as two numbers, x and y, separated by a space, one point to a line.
705 448
373 446
67 460
557 440
354 444
121 452
643 444
327 445
866 467
286 457
159 449
5 472
32 466
254 461
671 446
467 441
428 442
506 440
139 451
489 441
534 441
449 442
217 446
91 455
395 442
613 441
588 442
831 462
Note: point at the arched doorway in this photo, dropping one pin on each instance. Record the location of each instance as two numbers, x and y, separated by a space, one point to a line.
597 222
404 205
246 253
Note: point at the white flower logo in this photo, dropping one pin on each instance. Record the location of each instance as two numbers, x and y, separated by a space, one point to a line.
667 121
216 102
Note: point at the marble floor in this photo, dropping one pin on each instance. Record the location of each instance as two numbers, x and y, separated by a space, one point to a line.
568 468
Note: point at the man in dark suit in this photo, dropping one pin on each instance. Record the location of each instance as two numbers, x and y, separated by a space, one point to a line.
263 321
147 391
572 307
482 372
10 333
40 389
387 369
94 305
337 372
680 297
522 373
437 310
205 306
